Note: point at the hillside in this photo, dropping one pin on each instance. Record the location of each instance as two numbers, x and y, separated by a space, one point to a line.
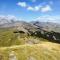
43 51
29 29
20 46
11 36
21 40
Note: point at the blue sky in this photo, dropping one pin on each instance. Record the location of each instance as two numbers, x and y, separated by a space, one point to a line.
30 10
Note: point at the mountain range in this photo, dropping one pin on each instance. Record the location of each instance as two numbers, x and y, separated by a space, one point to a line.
12 22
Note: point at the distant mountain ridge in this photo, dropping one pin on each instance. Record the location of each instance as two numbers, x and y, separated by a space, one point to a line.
48 26
7 19
47 30
13 22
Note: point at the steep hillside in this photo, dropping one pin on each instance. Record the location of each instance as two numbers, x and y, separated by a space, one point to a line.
11 36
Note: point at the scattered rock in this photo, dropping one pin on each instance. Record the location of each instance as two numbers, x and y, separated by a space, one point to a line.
32 41
36 41
31 58
42 32
12 56
29 42
54 37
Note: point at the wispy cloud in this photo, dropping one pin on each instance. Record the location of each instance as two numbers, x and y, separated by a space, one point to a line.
22 4
35 8
41 8
30 8
46 8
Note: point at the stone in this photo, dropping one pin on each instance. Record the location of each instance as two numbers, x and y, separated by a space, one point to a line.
31 58
54 38
12 56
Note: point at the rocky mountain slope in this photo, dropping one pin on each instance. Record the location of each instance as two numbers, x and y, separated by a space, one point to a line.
21 40
12 22
48 26
46 30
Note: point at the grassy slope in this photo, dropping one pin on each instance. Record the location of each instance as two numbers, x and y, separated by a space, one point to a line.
43 51
24 47
9 38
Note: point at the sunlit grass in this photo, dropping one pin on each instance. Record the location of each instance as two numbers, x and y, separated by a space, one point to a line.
9 38
44 51
24 47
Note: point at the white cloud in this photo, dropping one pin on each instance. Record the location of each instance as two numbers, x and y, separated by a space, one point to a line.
39 7
22 4
35 8
30 8
46 8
